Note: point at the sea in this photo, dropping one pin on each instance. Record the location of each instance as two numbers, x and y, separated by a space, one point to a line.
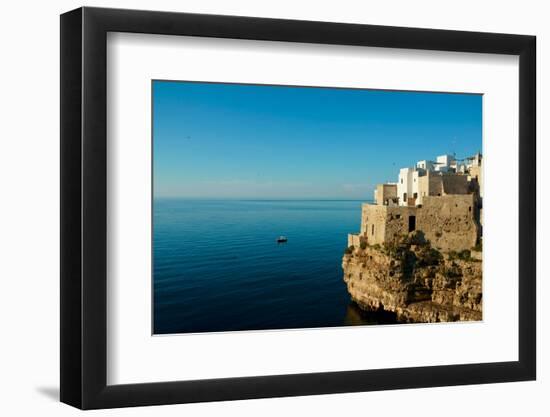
217 266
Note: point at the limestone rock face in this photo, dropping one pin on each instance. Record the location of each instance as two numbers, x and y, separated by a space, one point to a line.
414 281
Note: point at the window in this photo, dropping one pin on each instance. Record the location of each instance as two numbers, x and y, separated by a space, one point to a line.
372 230
401 180
404 197
415 195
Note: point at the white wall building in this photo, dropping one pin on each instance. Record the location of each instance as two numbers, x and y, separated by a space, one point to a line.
407 185
407 182
444 163
425 165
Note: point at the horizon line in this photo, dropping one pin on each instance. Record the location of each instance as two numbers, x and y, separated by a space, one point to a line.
260 198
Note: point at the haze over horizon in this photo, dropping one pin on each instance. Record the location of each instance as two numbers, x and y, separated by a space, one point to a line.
241 141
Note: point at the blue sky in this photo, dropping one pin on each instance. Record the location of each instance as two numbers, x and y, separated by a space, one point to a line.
267 142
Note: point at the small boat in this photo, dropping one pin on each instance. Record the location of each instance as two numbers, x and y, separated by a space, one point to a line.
282 239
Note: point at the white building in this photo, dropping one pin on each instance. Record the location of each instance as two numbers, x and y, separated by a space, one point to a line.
425 165
408 180
444 163
407 185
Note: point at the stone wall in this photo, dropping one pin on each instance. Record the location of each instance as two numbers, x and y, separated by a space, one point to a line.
397 222
438 184
385 192
373 223
354 240
477 173
380 224
455 184
429 184
449 222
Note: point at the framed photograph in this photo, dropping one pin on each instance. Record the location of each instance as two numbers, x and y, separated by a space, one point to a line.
256 208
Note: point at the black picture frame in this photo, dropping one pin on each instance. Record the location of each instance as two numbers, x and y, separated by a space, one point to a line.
84 207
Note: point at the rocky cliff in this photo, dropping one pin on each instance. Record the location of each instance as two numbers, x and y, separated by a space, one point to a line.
414 281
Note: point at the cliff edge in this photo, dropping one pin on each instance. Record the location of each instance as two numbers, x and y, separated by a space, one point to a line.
415 281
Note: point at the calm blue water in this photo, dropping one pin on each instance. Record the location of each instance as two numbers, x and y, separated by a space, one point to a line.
217 266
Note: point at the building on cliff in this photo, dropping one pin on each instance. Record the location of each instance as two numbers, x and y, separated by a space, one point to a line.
441 198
